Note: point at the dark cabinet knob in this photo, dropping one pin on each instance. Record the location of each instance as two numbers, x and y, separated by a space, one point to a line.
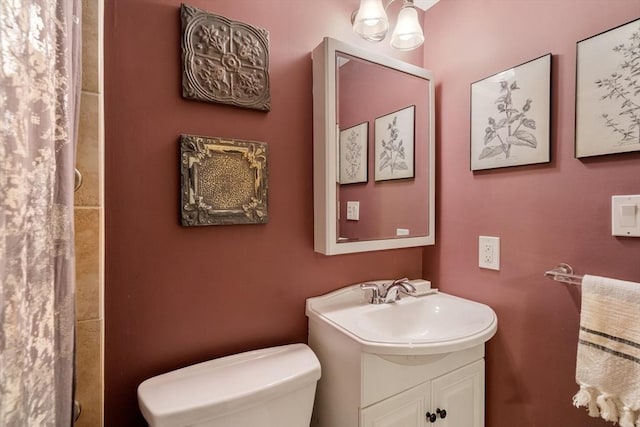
431 418
441 412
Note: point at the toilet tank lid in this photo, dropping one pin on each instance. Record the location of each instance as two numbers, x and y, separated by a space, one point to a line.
225 385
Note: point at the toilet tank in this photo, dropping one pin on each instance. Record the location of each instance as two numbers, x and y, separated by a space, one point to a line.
271 387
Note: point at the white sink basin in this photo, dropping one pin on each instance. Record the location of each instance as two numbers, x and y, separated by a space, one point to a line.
428 324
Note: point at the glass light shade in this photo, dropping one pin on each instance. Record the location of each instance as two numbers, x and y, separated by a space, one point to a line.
408 33
371 21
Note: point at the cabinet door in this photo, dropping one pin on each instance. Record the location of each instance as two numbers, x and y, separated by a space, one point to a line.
461 394
406 409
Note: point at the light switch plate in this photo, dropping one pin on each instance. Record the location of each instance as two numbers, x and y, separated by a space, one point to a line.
489 252
625 215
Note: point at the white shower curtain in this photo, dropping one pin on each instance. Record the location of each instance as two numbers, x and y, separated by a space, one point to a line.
39 88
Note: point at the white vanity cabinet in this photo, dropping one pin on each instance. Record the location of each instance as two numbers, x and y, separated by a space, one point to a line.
462 392
374 390
455 399
403 410
388 365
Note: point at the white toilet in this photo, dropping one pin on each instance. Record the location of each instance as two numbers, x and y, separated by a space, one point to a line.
272 387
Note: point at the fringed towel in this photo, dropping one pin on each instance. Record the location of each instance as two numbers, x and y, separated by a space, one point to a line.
608 362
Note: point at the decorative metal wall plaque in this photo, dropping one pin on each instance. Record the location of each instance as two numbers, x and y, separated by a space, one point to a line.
224 181
224 61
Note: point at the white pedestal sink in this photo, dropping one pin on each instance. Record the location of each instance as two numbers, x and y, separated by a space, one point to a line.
396 364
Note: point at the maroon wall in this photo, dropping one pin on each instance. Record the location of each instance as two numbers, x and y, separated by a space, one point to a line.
546 214
176 295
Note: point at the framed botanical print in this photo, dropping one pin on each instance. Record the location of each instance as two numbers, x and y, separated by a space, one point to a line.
510 116
608 92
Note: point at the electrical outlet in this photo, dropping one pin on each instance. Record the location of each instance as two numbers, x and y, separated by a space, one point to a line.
489 252
353 211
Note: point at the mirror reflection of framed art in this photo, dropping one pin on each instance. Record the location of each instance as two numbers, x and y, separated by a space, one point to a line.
354 149
395 145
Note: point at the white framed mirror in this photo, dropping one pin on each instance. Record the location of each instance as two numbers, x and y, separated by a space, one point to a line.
373 151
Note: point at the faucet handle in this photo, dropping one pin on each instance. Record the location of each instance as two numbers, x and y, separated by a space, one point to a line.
375 291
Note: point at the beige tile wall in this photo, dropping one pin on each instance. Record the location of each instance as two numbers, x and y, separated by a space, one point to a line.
88 224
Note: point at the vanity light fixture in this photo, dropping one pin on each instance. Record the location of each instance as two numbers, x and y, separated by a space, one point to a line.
371 23
407 34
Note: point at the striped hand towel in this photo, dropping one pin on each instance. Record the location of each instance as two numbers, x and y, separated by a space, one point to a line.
608 361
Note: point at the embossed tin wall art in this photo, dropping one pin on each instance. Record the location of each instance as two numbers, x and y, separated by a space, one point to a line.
224 61
224 181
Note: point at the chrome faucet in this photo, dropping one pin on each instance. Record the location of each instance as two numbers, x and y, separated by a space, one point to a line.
393 290
388 292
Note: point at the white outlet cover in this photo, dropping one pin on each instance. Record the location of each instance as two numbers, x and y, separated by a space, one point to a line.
353 211
489 252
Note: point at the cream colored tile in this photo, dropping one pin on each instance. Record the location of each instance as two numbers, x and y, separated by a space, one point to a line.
90 47
89 370
87 156
87 241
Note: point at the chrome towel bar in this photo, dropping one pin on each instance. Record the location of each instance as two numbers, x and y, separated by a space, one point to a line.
564 273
